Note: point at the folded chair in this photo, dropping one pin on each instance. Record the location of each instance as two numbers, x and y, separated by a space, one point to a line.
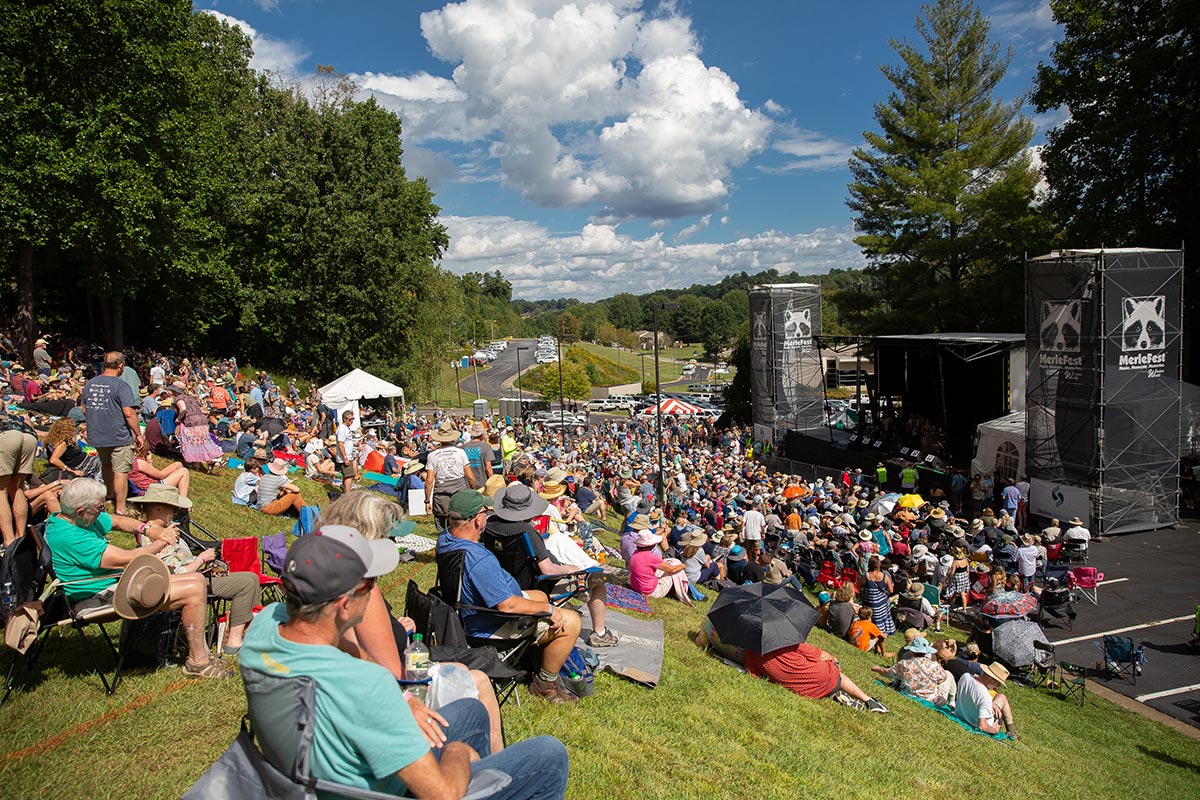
242 555
516 557
512 649
1122 657
282 718
58 613
1086 581
1074 550
1068 678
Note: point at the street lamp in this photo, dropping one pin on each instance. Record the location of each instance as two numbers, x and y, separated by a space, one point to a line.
643 357
520 396
658 398
492 322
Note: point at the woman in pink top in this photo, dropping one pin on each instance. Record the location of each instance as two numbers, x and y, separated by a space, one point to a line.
647 571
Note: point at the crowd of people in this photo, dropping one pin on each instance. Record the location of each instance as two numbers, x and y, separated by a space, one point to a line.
714 518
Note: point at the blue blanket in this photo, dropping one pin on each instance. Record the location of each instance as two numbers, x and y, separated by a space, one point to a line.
949 714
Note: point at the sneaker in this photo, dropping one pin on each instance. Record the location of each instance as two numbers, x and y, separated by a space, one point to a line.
849 702
876 706
606 639
551 691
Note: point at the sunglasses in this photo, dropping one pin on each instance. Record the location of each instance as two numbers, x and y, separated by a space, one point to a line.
367 585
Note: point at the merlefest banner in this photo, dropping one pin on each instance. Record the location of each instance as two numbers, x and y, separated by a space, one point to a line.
786 378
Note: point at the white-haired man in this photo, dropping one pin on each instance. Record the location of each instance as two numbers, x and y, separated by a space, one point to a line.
83 558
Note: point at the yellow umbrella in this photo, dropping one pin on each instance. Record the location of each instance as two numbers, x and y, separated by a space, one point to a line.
910 501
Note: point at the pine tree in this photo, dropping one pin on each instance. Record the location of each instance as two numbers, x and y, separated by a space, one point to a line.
943 192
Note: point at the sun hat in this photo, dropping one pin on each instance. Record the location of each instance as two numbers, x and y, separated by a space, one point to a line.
144 587
1027 539
466 503
493 485
277 466
976 525
446 432
915 591
996 671
516 502
646 538
920 645
697 538
162 493
737 553
946 560
177 387
937 513
333 560
626 472
413 467
552 491
864 535
641 522
1074 521
475 429
556 475
920 551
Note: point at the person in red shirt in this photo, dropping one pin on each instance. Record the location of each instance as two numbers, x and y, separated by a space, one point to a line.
810 672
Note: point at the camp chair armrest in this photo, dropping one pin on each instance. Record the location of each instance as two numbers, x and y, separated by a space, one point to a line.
504 614
566 576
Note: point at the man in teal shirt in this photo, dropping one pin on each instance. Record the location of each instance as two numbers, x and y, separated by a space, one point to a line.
365 734
83 559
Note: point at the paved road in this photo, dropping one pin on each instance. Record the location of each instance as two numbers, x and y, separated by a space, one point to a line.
1152 580
500 370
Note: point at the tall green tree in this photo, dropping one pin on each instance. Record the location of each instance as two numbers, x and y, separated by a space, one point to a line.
717 328
943 192
1124 168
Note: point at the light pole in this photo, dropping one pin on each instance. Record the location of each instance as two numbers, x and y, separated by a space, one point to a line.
520 396
643 357
658 400
492 322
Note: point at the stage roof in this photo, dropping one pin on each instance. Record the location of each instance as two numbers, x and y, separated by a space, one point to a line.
955 338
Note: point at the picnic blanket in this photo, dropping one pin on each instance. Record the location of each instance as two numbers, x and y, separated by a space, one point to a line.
626 598
379 477
949 714
416 544
639 654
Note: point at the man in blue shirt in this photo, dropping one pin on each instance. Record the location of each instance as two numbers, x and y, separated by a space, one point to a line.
485 583
113 429
364 732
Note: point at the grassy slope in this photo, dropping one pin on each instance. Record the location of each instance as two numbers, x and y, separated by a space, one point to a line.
706 731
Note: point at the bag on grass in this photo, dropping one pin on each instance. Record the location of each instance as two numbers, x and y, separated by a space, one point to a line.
449 682
578 674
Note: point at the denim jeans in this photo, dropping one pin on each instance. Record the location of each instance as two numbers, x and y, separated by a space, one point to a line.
538 767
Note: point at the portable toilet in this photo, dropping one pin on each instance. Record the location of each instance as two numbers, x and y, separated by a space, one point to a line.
466 362
480 408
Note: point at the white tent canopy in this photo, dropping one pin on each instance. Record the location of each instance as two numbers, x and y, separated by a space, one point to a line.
1000 447
346 392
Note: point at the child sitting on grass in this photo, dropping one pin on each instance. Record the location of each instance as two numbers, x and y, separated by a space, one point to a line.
865 634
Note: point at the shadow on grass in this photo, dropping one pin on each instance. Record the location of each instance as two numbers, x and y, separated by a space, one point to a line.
1169 759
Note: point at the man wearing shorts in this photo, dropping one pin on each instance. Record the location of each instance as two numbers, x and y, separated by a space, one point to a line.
110 407
17 448
347 452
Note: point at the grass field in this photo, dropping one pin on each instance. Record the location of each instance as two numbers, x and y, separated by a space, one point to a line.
705 732
670 361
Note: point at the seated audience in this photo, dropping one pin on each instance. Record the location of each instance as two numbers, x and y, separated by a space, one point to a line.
276 494
979 703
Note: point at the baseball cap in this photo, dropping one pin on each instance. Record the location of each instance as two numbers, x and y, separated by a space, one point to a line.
333 560
466 503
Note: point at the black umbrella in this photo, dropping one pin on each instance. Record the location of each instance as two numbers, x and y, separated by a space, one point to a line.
762 617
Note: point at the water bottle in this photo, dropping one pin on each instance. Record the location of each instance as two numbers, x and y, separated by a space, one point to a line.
8 599
416 666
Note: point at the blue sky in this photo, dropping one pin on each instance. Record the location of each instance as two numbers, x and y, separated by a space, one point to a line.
590 147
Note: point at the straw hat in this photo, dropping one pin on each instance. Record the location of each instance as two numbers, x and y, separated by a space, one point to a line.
162 493
446 432
493 485
144 588
552 491
997 671
641 522
864 535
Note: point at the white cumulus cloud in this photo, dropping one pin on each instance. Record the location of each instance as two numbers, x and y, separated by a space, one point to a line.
596 104
270 54
598 261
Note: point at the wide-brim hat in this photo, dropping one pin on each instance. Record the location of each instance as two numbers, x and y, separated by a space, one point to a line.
641 522
162 493
277 466
737 553
1074 521
330 440
976 524
556 475
915 591
920 645
920 551
1027 539
997 671
864 535
937 513
697 538
493 485
516 502
144 588
552 491
177 387
413 467
646 539
475 429
946 560
446 432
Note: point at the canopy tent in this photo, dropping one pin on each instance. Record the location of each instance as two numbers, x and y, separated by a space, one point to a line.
673 407
1000 447
346 392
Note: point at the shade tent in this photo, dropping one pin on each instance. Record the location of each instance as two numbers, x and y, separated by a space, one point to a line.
356 385
1000 447
673 407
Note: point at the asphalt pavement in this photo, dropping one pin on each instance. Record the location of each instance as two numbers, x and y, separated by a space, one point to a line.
1150 591
491 380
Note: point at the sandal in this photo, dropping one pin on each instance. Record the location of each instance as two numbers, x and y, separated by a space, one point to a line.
209 670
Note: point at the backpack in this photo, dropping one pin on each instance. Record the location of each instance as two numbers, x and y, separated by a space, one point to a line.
578 672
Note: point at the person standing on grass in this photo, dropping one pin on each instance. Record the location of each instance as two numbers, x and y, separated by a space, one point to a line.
110 407
347 452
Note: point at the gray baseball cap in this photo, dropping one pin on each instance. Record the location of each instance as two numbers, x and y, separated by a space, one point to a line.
332 560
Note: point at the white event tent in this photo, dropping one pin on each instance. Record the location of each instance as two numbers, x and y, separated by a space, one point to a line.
346 392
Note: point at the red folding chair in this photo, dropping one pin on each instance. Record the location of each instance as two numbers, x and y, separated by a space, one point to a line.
828 575
242 555
848 575
1086 581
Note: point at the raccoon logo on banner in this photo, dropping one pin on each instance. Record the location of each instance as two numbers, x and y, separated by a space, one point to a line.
1143 334
1060 325
760 331
797 328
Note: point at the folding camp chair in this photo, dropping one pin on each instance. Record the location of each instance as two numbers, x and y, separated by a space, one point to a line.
848 575
281 716
828 575
58 613
1086 581
450 576
516 556
1070 679
1074 551
1123 658
242 555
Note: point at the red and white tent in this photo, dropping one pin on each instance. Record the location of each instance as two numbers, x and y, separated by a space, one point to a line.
674 407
